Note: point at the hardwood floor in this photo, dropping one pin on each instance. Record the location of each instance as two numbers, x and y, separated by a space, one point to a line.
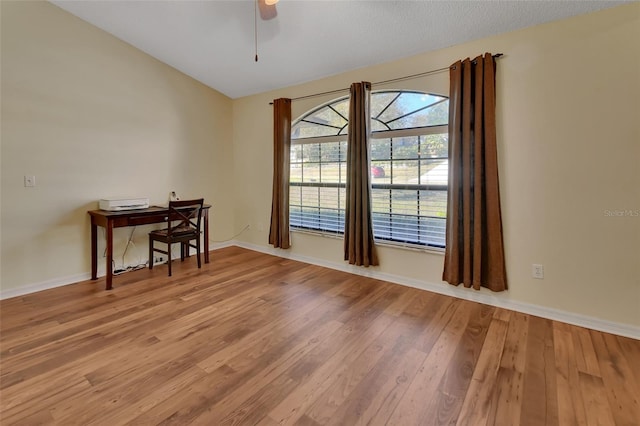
252 339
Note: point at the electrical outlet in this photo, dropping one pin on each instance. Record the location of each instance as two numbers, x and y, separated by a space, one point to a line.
537 271
158 259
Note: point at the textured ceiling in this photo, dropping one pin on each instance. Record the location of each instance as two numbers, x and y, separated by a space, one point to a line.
213 41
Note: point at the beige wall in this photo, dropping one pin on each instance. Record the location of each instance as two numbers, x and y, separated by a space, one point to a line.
92 117
569 151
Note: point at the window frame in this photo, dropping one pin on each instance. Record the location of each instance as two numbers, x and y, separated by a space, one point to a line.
375 135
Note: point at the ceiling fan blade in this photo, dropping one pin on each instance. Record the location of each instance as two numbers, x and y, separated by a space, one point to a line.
267 11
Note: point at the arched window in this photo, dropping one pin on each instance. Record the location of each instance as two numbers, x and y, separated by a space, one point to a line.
409 167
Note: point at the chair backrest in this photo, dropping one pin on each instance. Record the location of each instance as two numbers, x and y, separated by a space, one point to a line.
184 216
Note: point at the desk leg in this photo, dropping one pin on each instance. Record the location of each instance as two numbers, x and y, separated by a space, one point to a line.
94 251
109 254
206 235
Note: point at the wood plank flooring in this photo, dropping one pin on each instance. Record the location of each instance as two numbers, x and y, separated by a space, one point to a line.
252 339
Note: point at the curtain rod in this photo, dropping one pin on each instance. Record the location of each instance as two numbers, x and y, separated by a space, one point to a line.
393 80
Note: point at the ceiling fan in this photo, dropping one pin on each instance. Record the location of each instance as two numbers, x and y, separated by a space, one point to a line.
268 11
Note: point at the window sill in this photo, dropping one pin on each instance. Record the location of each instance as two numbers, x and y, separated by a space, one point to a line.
317 233
411 247
383 243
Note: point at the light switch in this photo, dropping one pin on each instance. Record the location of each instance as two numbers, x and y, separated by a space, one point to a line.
29 181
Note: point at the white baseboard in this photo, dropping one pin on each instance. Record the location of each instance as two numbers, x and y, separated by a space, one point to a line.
44 285
224 244
440 288
482 296
73 279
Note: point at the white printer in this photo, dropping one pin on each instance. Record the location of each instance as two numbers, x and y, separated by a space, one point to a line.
117 204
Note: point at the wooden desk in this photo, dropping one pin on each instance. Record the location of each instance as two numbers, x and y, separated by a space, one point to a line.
109 220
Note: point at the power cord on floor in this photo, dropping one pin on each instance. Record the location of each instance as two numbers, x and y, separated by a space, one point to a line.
130 269
141 265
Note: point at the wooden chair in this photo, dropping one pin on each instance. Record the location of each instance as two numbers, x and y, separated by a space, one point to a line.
183 226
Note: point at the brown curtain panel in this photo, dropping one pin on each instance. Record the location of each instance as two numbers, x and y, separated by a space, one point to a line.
359 248
474 254
279 230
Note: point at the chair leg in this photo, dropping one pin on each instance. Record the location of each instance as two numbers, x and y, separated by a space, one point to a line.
150 253
198 251
169 256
